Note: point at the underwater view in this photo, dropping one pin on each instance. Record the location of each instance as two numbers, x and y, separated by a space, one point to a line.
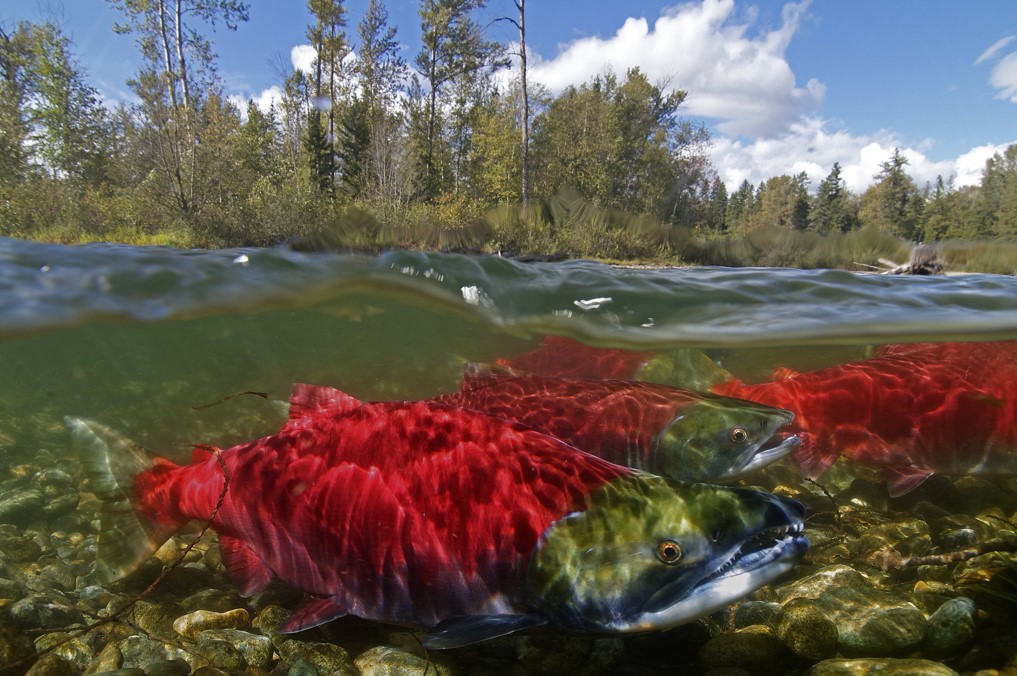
269 461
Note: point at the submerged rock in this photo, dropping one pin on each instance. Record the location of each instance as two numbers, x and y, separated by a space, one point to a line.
326 658
51 664
20 507
873 622
756 649
255 648
561 652
388 661
15 648
883 667
192 624
951 628
152 657
807 631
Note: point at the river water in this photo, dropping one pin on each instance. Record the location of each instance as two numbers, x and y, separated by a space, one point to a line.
175 348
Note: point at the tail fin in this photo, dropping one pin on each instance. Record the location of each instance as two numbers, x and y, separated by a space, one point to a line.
111 462
687 368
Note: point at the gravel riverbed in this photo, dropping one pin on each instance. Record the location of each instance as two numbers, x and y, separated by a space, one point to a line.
923 584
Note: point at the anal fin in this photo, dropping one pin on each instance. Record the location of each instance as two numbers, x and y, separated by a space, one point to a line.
311 613
456 632
248 571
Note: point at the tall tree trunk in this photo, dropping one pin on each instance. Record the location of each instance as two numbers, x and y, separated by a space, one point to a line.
525 95
432 105
171 87
181 60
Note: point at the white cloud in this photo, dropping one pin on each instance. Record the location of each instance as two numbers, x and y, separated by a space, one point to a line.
1004 74
741 79
810 146
1004 78
994 48
265 100
302 57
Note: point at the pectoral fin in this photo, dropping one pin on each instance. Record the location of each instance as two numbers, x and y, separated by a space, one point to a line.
311 613
249 572
456 632
903 480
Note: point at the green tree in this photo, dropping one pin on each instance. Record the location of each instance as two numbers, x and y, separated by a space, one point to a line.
453 48
992 214
352 147
178 63
328 37
833 209
716 210
381 73
895 203
50 118
380 68
14 94
642 120
740 207
320 153
497 150
573 141
257 143
783 202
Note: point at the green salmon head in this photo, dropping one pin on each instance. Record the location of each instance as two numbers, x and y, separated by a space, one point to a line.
651 553
721 439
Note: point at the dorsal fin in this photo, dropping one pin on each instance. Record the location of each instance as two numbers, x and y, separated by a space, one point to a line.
476 376
307 399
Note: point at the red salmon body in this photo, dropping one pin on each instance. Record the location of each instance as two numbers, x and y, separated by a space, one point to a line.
564 357
617 419
666 430
401 512
913 409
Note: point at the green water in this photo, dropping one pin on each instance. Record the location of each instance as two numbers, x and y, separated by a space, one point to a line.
176 348
145 339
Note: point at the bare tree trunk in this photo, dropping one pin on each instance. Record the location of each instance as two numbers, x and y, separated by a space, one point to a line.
431 113
168 64
174 132
525 95
181 60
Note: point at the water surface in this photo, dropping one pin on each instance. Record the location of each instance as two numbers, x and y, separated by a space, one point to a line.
145 338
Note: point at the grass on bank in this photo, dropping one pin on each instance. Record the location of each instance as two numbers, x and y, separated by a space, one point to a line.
567 226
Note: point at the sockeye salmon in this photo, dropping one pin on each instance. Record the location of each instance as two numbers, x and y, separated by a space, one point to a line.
914 410
451 520
665 430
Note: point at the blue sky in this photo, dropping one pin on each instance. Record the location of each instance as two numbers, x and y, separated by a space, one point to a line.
784 87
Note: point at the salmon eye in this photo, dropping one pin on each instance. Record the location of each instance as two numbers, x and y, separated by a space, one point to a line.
738 435
669 551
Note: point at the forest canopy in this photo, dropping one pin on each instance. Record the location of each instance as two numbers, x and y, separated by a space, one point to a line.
443 152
